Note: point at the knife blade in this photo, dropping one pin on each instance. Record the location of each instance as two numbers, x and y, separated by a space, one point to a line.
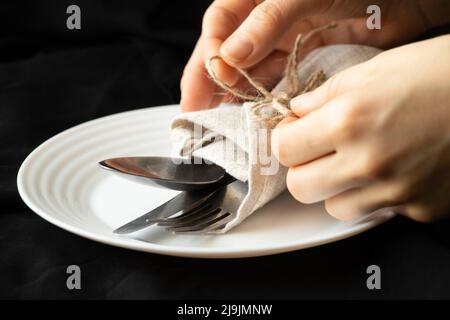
184 200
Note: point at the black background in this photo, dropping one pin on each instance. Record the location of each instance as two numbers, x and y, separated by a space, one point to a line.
130 54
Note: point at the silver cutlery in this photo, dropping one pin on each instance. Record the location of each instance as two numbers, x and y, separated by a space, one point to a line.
172 173
212 214
183 203
209 212
210 197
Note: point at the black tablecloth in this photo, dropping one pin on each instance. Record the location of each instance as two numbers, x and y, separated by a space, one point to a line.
130 54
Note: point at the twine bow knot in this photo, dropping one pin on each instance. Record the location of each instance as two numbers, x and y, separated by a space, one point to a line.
277 103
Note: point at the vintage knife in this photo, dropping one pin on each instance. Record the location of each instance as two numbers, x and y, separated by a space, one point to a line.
184 200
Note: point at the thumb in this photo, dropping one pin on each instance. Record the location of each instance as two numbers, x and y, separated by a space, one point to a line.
257 36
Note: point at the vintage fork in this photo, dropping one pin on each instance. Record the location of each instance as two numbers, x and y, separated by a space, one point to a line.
210 215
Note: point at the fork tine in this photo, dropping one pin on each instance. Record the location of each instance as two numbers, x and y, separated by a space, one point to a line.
196 220
191 218
185 215
207 224
197 214
220 223
215 225
212 214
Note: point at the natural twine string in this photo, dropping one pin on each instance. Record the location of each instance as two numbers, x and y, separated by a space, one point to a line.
279 102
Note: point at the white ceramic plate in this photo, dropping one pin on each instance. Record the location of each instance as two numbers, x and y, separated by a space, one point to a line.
62 183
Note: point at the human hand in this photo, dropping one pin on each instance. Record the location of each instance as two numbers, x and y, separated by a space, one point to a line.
376 135
258 35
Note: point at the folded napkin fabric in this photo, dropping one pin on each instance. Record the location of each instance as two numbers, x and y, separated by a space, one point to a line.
231 136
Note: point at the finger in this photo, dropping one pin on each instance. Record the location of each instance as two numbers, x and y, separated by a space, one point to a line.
318 180
304 139
224 16
350 31
196 87
220 20
268 72
286 121
358 202
304 26
423 211
259 34
336 86
222 71
310 101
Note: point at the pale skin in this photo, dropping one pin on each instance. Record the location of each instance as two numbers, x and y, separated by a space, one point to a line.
376 135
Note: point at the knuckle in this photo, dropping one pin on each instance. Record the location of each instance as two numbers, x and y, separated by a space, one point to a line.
182 81
370 167
209 16
337 209
268 14
327 5
347 124
422 212
333 207
347 129
280 149
425 218
401 193
219 13
334 85
419 214
295 186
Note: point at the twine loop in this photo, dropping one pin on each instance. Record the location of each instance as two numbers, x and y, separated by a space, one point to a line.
278 103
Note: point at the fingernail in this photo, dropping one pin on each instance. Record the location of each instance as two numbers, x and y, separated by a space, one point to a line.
226 74
214 66
236 48
301 100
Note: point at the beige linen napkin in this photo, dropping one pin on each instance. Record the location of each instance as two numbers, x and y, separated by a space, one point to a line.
231 137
